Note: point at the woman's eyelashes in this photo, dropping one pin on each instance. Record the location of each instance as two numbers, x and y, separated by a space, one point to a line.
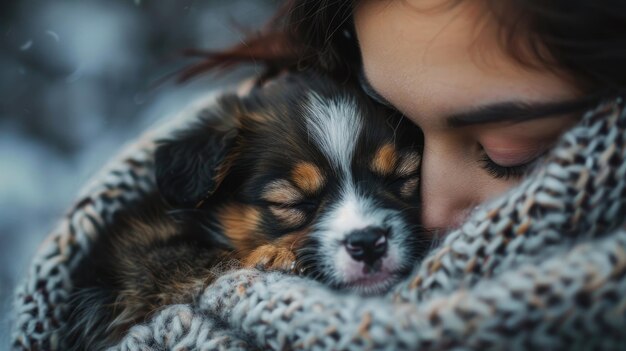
509 171
503 172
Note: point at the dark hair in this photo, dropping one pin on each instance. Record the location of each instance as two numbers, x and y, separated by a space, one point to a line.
585 38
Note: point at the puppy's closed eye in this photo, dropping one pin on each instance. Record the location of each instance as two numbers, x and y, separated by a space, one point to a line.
409 164
289 216
287 203
282 192
407 173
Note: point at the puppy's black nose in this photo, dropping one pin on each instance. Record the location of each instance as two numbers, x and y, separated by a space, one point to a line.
368 244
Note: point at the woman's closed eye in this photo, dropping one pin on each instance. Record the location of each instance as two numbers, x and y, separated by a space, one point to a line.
507 152
503 172
508 164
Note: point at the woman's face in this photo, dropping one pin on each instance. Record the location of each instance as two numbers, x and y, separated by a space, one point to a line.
446 70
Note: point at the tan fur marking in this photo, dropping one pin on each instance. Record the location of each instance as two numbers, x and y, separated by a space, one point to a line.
290 217
409 187
276 256
282 192
240 223
308 177
271 257
408 165
385 160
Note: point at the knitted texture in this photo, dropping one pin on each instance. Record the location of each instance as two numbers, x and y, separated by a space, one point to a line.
541 267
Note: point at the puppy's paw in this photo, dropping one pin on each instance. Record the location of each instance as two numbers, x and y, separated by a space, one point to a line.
270 257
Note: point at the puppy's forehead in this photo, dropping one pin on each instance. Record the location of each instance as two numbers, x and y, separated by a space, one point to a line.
334 125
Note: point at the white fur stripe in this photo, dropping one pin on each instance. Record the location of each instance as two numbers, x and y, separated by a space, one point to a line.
334 125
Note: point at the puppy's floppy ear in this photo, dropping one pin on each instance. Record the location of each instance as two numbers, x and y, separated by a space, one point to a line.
191 165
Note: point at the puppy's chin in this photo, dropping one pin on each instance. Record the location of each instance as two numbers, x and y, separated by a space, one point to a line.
373 284
366 279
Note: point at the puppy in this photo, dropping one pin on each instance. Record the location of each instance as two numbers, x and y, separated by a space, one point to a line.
303 175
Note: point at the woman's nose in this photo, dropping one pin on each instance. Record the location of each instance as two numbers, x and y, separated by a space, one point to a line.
449 189
442 214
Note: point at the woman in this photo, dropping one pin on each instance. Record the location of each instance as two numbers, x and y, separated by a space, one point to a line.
492 84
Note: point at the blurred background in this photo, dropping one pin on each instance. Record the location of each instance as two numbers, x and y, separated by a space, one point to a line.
77 81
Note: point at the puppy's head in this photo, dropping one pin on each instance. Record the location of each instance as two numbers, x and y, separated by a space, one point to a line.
304 170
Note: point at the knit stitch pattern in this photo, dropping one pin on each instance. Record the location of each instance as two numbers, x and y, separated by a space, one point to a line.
540 267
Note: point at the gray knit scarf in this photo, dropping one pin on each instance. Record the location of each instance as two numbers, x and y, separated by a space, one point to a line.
542 267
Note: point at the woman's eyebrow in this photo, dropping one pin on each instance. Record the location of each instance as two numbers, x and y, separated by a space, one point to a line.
511 111
514 111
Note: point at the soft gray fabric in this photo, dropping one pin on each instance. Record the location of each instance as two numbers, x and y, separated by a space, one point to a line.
541 267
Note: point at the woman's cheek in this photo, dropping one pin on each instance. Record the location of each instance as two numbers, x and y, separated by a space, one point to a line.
454 182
